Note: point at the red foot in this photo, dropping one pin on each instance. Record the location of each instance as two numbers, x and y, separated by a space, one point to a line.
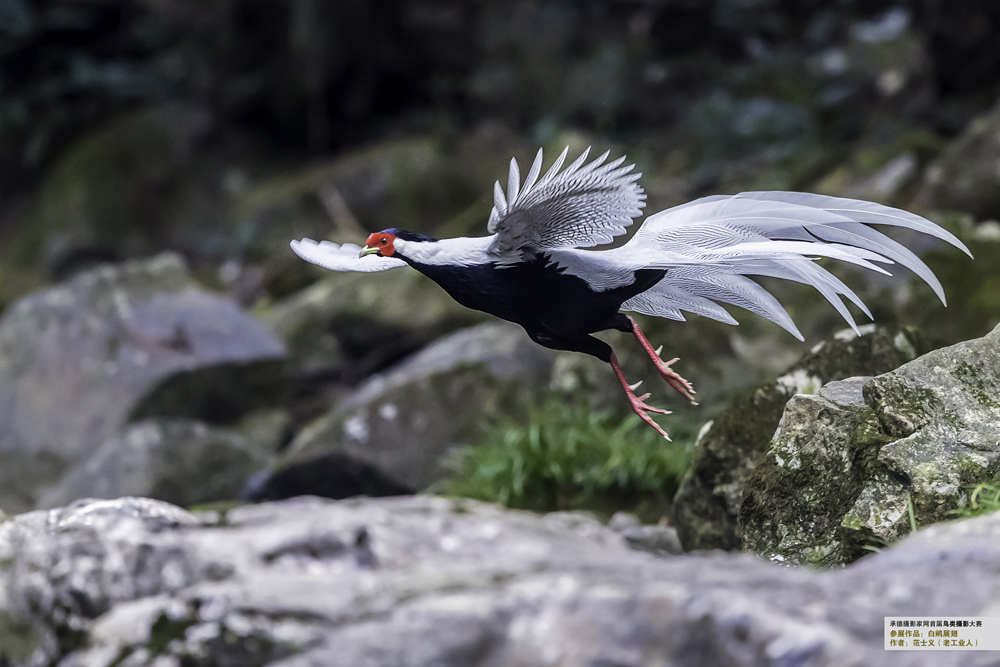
682 386
638 403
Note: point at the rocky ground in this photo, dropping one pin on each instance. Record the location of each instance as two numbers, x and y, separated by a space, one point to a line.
431 581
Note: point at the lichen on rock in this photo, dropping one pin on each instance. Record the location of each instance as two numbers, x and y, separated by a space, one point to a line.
708 502
872 469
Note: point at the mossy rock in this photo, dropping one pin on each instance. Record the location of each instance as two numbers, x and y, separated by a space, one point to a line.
964 177
108 191
707 504
850 472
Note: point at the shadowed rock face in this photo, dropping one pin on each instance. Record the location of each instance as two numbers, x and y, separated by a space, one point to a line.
425 581
180 461
708 502
847 467
964 177
404 421
115 344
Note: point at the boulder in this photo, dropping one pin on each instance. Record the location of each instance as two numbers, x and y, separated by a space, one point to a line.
965 176
423 581
404 421
117 344
708 502
180 461
349 325
859 464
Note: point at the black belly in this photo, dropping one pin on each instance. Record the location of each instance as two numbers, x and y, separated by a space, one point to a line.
538 295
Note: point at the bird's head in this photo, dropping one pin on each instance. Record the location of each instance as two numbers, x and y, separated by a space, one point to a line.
383 242
380 243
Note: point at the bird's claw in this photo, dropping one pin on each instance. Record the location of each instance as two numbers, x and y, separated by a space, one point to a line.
641 408
638 403
680 385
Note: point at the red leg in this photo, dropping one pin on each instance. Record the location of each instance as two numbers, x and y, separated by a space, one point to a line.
682 386
638 402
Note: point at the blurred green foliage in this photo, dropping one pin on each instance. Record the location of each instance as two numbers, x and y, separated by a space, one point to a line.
983 499
972 289
567 457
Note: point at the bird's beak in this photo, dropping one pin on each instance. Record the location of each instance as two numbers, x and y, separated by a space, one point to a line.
367 251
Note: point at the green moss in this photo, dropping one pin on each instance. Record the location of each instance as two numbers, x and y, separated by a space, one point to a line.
984 498
18 640
852 523
903 408
973 289
166 630
974 379
101 188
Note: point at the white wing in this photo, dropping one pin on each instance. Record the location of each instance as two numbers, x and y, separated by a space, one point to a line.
710 244
344 257
581 206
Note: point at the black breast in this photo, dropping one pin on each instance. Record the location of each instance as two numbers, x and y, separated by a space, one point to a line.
537 294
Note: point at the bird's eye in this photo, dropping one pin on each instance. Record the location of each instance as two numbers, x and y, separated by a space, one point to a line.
384 241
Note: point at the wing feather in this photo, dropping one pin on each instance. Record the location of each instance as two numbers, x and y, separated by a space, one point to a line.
337 257
584 205
513 183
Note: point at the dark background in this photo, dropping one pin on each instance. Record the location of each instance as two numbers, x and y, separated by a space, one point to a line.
223 129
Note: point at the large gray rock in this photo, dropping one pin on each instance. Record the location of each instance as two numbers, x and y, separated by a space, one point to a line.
846 468
425 581
116 344
350 324
180 461
707 504
405 421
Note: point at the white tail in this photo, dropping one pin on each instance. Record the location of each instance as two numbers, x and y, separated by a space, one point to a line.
711 244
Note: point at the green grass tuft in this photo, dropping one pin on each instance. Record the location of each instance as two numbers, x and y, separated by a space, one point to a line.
569 457
983 499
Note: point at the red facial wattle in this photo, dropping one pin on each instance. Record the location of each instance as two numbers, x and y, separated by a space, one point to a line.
383 242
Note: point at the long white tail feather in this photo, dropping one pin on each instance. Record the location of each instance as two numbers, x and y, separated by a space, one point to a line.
667 299
861 211
710 244
745 293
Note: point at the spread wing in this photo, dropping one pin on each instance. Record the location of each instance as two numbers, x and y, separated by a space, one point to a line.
579 207
709 245
344 257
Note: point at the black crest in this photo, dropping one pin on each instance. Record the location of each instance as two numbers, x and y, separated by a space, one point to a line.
409 236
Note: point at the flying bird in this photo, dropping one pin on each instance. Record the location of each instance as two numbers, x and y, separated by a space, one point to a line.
533 270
